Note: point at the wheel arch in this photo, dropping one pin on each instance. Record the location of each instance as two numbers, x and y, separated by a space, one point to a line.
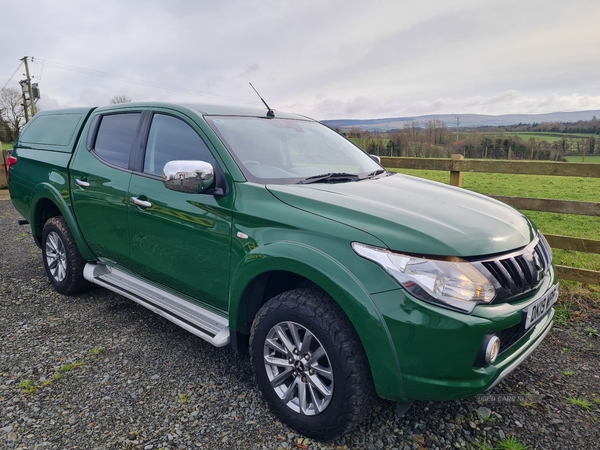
48 202
280 266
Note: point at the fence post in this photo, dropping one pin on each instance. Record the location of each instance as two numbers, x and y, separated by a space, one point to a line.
455 175
3 171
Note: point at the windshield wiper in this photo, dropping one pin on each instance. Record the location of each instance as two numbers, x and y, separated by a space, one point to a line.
374 174
328 177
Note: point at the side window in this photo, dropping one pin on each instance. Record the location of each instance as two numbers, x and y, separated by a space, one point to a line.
115 137
172 139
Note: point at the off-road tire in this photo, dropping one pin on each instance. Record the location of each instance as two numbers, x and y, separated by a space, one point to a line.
353 392
59 248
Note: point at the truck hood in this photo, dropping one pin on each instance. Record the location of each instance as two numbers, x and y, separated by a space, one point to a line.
414 215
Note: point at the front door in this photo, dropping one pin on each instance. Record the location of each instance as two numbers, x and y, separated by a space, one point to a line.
178 240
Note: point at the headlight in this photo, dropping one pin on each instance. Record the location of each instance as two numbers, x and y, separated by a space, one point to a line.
452 282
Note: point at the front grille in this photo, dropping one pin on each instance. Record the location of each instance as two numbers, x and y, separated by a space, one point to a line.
518 273
511 336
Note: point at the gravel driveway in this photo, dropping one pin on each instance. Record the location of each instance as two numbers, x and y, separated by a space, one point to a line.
97 371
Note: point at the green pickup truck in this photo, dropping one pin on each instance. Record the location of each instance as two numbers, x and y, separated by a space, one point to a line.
272 233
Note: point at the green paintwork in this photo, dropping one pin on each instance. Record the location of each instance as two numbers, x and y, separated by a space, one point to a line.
220 252
101 209
288 243
451 341
182 241
416 216
31 199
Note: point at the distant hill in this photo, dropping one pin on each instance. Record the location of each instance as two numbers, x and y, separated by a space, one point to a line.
466 120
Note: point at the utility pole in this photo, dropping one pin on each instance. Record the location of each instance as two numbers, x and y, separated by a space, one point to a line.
457 126
23 84
29 89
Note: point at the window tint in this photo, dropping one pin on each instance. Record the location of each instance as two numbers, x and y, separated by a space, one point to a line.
51 129
115 137
172 139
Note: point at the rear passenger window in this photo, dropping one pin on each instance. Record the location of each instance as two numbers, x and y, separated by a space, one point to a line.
115 138
172 139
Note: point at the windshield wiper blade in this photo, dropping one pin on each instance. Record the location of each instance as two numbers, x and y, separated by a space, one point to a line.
328 177
374 174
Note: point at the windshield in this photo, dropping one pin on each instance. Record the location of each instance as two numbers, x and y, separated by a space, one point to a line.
287 151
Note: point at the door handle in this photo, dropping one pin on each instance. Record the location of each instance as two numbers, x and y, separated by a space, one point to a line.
143 203
81 183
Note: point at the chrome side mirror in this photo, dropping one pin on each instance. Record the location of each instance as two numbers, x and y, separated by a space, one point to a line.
193 177
375 158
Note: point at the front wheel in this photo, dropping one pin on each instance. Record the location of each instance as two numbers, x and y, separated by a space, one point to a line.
62 260
310 364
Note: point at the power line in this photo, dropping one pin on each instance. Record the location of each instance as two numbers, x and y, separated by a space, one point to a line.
11 77
147 83
137 81
40 71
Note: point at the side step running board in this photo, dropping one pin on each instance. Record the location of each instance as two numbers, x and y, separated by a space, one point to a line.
197 320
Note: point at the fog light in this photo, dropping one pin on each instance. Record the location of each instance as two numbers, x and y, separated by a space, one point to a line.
492 349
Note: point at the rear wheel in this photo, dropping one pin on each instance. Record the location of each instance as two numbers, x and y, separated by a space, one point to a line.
62 260
310 364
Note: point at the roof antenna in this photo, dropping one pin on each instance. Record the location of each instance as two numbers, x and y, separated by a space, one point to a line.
270 112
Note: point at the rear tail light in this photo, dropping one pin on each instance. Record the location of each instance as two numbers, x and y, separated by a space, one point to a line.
9 163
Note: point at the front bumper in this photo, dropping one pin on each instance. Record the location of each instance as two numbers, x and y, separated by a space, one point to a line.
438 349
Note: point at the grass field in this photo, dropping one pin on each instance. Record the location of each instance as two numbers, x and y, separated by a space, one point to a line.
550 137
538 186
7 146
591 159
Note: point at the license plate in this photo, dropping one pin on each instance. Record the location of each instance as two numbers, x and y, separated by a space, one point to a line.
540 307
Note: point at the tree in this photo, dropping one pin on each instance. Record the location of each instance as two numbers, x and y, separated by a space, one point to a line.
591 144
12 113
120 99
4 130
413 130
436 131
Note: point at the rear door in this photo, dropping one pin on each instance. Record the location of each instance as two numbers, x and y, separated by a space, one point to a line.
179 240
99 179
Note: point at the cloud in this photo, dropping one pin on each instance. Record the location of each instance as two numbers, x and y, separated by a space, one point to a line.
251 69
335 59
508 102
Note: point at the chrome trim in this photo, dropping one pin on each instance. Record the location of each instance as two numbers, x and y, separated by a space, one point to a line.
197 320
80 183
518 273
192 177
143 203
520 359
375 158
489 347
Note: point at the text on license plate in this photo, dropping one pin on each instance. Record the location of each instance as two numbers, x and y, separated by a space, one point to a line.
540 307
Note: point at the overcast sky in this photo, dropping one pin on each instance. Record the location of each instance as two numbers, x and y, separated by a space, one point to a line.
323 58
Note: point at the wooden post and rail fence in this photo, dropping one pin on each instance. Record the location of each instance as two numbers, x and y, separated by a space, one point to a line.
4 154
457 165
